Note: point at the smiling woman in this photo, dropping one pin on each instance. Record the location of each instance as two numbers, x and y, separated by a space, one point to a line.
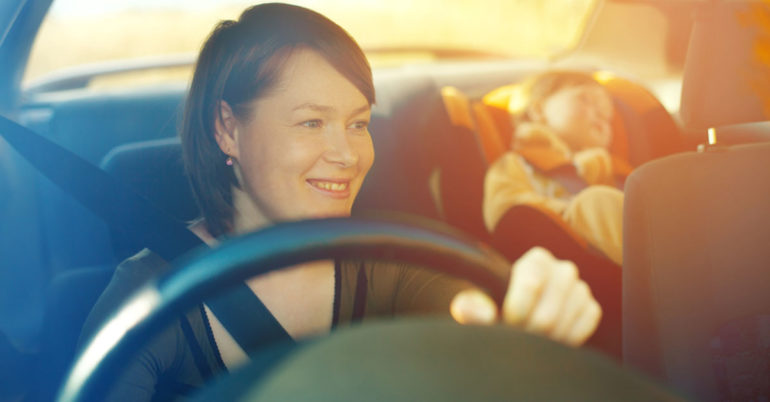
312 155
275 130
292 132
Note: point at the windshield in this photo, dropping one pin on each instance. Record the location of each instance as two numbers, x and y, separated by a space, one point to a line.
392 32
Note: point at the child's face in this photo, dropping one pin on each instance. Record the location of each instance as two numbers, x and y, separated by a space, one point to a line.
580 115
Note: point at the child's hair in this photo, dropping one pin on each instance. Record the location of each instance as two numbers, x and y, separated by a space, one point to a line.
539 87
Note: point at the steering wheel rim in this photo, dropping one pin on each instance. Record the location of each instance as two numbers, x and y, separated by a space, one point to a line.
202 274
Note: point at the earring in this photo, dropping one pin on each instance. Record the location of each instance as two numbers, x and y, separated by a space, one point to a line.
229 161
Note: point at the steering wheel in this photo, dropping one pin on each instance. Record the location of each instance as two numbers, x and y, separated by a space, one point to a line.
203 274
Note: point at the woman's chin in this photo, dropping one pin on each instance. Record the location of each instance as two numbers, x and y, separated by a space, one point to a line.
334 214
326 214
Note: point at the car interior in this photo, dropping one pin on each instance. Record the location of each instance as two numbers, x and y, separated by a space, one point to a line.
688 309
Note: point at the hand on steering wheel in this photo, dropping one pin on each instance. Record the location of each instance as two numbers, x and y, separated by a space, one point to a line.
545 296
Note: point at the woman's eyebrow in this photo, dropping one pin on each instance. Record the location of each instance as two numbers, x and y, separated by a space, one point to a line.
325 109
314 107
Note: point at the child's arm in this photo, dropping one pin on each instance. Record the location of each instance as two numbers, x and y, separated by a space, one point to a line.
594 165
506 184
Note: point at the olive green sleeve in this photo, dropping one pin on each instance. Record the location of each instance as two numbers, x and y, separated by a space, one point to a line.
401 289
157 369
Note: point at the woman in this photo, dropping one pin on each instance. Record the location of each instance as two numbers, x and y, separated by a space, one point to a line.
275 129
559 159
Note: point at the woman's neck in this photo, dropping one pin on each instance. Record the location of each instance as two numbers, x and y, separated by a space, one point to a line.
246 217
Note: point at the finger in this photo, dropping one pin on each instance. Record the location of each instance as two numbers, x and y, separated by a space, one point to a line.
563 277
607 168
529 276
577 300
585 325
473 306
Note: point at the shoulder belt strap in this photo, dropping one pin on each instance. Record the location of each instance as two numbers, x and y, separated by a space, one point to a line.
95 189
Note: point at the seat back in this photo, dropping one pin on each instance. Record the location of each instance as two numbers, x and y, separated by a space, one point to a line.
724 81
463 166
405 126
697 271
71 295
90 126
491 140
647 129
154 170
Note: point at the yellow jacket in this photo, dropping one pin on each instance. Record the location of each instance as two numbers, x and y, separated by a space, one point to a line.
520 176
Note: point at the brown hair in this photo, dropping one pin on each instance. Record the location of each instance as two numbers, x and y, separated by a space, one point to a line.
538 88
239 62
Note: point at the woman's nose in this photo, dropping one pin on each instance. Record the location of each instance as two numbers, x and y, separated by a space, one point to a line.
338 148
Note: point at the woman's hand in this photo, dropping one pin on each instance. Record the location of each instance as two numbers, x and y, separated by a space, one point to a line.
545 297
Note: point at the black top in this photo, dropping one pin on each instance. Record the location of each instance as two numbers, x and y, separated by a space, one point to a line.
185 355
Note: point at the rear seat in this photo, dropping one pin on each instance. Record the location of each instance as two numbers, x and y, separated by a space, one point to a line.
90 126
155 170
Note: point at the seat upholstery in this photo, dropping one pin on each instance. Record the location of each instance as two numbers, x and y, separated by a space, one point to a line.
405 128
463 166
491 140
71 295
90 125
724 80
697 258
154 170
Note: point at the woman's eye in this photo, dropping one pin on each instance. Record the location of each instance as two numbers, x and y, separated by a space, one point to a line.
315 123
360 125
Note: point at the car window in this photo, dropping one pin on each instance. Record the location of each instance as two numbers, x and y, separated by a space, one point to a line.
392 32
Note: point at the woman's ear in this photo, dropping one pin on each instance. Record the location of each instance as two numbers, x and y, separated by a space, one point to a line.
226 126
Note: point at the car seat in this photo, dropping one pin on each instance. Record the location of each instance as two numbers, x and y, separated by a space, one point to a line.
697 272
462 166
523 226
643 129
71 294
154 170
405 129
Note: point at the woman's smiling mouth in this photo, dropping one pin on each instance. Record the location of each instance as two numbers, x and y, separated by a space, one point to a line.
331 188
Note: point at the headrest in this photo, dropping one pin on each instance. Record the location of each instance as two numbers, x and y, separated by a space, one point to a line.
497 104
502 101
723 76
154 169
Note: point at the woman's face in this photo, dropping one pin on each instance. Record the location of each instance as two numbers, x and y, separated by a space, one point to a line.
306 150
580 115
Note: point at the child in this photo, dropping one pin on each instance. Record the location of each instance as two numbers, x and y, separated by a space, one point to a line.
559 159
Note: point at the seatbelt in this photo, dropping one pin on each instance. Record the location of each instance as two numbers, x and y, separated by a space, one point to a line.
99 192
567 176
